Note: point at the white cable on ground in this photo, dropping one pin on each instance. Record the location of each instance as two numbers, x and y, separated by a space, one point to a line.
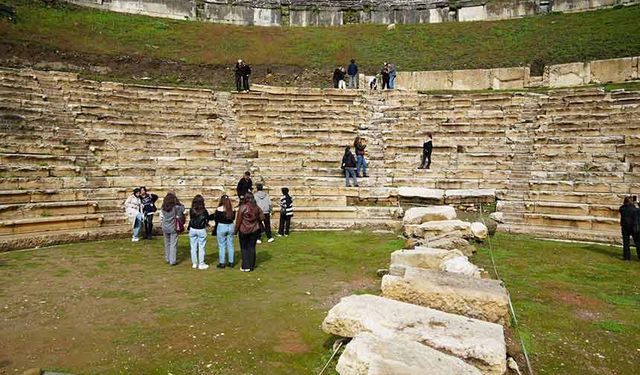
335 351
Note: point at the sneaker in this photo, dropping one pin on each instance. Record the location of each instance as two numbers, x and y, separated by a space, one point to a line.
203 266
356 185
259 241
279 235
270 240
194 266
286 235
220 265
230 265
135 239
244 270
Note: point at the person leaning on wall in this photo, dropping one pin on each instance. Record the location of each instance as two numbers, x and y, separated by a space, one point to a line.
630 226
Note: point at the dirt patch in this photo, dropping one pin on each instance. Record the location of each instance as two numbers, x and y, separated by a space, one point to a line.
577 300
290 342
348 288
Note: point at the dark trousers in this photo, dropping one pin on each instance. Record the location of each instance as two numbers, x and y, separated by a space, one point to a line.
385 83
627 235
148 226
248 249
267 225
238 83
285 224
426 158
245 83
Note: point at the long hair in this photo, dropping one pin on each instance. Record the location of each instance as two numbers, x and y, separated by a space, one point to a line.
628 201
225 202
346 150
356 141
250 202
169 202
197 205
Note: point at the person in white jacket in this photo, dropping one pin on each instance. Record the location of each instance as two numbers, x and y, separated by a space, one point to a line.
133 211
264 202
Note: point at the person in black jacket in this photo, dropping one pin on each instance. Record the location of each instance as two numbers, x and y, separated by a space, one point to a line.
427 147
349 166
384 74
244 185
238 71
629 225
246 72
337 76
198 221
148 202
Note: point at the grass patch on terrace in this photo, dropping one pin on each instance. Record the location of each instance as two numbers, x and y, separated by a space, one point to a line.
552 38
115 307
578 305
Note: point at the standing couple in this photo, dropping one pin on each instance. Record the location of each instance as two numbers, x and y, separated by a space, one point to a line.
243 71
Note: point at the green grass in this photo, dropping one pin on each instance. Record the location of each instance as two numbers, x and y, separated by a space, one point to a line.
578 304
115 307
553 38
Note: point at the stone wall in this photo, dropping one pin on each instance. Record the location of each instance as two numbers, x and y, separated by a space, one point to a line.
554 76
337 12
72 149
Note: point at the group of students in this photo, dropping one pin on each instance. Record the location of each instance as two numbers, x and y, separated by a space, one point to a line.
352 165
387 77
249 221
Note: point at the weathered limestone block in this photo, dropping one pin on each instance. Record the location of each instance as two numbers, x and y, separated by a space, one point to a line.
450 241
423 193
479 231
470 195
368 354
435 228
419 215
614 70
423 257
475 341
472 79
477 298
565 75
461 265
508 78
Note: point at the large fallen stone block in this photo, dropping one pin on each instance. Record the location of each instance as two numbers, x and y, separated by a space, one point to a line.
430 195
461 265
423 257
419 215
435 228
475 341
479 231
450 241
483 299
368 354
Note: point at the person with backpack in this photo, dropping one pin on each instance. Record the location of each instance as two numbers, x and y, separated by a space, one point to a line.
133 211
198 222
248 229
349 166
629 219
361 164
172 220
148 210
352 71
264 202
223 230
286 213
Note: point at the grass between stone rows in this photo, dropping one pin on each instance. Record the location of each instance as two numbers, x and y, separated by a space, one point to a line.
578 305
553 38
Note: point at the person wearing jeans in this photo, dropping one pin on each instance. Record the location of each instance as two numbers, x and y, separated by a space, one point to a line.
133 211
172 210
198 221
352 71
349 166
224 217
361 164
264 202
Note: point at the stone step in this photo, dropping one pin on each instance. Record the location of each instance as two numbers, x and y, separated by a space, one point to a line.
475 341
49 223
41 210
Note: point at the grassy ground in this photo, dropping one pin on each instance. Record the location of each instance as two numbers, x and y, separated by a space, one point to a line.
115 307
88 36
578 304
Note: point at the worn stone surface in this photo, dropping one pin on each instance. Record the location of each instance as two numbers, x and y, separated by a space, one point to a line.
435 228
368 354
475 341
450 241
479 230
478 298
419 215
415 192
461 265
423 257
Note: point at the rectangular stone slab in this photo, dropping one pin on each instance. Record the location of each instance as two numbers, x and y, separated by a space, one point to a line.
423 257
475 341
483 299
368 354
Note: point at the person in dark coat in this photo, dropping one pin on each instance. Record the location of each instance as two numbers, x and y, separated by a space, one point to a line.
629 225
384 73
148 202
337 76
349 165
248 228
238 71
352 71
427 147
245 185
246 72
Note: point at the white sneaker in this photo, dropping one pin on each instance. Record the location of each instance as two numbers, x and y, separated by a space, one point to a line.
135 239
270 240
203 266
259 241
194 266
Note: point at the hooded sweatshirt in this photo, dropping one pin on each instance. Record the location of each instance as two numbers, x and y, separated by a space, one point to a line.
264 201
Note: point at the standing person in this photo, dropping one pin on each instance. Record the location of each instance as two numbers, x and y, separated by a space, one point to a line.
341 82
246 72
238 71
148 209
198 221
286 213
384 73
352 70
427 147
361 164
244 185
248 229
171 211
336 77
349 166
264 202
133 211
628 223
224 217
392 76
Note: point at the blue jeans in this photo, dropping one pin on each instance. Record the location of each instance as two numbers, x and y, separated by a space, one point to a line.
392 82
137 224
224 234
361 164
350 173
198 240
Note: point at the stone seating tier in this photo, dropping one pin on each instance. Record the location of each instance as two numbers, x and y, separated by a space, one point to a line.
560 160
